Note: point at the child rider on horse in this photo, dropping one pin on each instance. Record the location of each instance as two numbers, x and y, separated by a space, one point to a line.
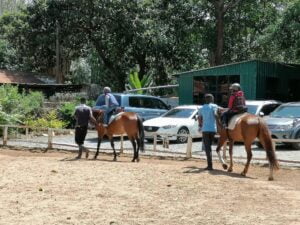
236 104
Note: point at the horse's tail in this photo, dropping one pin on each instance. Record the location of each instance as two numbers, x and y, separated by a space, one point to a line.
266 140
141 133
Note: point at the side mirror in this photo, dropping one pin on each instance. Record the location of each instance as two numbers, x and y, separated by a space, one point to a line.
261 114
169 107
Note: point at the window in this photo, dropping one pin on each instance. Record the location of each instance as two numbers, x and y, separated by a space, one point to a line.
149 103
267 109
134 102
216 85
153 103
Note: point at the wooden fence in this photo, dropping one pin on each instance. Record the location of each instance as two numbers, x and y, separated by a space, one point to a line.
188 152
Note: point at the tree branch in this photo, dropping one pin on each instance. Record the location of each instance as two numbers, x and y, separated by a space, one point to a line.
231 5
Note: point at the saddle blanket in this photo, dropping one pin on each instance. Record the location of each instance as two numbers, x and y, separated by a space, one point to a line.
234 120
113 117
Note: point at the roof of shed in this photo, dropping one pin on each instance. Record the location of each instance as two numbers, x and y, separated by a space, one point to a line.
237 64
9 77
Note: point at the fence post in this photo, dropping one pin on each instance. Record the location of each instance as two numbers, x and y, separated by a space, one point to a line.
50 137
5 135
189 147
154 142
27 133
121 145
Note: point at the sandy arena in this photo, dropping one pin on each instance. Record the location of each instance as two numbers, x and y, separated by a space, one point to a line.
52 188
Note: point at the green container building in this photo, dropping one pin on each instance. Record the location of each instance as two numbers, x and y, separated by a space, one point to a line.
259 80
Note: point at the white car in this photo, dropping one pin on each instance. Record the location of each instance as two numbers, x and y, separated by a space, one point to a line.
179 120
262 107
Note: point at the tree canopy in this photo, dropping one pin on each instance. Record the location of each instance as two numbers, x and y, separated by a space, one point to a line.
159 37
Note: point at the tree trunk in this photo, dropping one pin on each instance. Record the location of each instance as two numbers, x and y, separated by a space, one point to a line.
220 35
220 10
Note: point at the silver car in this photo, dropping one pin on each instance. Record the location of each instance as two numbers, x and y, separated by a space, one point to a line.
262 107
284 122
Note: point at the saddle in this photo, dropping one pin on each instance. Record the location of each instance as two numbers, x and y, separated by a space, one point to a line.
235 119
114 116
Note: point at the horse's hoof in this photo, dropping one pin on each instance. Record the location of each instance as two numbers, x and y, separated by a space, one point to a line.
137 159
225 166
271 178
115 159
229 170
243 174
132 160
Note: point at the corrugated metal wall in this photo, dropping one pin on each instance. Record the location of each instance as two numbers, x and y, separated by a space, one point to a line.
255 77
246 70
185 89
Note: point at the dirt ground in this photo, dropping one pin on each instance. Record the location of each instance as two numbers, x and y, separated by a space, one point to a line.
52 188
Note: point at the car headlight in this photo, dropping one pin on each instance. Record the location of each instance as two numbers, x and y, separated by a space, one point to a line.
168 126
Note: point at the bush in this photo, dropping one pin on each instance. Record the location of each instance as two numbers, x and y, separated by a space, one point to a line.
66 113
16 107
50 119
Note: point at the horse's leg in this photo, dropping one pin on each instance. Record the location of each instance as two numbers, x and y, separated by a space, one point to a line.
220 144
231 143
138 148
113 147
134 149
98 146
249 157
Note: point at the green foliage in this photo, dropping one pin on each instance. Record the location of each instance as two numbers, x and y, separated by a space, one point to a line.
287 33
49 119
80 72
136 83
161 37
15 107
66 113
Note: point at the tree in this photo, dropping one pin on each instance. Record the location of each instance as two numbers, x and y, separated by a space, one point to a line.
287 33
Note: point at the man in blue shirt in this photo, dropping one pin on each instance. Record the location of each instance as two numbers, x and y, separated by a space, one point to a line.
207 123
111 104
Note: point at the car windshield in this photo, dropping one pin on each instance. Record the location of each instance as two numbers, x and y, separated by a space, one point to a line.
287 111
179 113
252 109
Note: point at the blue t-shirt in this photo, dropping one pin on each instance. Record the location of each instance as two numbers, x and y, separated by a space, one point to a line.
208 117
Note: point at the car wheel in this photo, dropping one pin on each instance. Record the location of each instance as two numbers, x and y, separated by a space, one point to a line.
150 140
182 139
296 145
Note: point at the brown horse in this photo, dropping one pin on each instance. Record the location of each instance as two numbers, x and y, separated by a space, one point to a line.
246 129
125 123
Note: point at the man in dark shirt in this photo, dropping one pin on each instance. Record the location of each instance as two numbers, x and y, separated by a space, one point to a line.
83 114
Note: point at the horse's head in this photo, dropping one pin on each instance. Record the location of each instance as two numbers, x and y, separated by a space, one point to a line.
98 115
218 118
